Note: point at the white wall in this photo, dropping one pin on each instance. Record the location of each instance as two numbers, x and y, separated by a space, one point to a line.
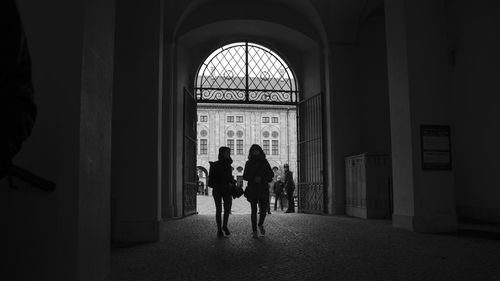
475 41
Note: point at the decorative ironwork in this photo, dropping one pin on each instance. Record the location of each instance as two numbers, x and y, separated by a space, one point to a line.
189 155
247 73
312 192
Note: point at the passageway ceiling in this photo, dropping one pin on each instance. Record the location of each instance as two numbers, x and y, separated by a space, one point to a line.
324 21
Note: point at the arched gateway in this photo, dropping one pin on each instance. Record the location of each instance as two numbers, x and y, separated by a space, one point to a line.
245 72
249 73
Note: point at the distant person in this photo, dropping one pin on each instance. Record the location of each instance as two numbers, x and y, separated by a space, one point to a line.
278 193
201 187
17 110
258 173
271 193
289 188
220 178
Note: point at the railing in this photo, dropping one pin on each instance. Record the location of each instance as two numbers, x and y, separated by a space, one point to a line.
29 177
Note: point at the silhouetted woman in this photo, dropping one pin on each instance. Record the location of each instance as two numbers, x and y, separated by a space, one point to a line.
258 173
220 177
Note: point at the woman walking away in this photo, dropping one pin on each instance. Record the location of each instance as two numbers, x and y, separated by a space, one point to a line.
220 178
258 173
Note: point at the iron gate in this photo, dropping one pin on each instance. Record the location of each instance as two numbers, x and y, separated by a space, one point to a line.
189 155
311 182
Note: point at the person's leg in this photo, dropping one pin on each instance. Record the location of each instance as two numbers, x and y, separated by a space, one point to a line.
291 204
262 205
253 206
276 201
269 205
228 202
281 199
218 208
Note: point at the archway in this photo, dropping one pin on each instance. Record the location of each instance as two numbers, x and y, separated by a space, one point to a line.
246 94
299 39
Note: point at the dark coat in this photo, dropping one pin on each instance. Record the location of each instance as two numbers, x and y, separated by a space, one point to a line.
220 175
278 187
289 183
257 191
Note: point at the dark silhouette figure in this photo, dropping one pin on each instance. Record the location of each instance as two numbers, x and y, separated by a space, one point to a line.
278 188
17 110
258 173
220 178
270 186
289 188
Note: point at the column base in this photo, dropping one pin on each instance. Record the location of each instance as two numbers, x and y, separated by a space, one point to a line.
491 215
167 211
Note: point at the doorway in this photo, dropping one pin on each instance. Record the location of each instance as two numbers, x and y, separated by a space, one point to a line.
245 93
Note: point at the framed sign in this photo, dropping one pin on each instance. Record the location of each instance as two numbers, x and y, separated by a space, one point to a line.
436 147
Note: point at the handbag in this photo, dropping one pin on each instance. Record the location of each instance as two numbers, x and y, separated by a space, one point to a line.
236 190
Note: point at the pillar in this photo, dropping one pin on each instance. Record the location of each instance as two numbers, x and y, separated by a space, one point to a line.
424 200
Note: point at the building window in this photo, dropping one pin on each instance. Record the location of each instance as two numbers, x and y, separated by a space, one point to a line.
239 119
265 119
230 119
203 118
265 134
265 146
274 119
203 146
239 147
203 133
230 144
239 134
275 147
230 133
275 134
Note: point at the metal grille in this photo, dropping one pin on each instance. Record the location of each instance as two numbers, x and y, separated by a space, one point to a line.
311 187
245 73
189 155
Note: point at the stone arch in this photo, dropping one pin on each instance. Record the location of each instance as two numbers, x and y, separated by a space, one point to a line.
306 17
203 169
299 45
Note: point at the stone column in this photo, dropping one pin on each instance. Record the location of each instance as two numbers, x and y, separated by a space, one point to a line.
424 201
136 181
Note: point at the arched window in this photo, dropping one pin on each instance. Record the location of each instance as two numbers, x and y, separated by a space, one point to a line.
245 72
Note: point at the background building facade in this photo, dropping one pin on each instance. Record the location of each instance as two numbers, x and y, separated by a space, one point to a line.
273 127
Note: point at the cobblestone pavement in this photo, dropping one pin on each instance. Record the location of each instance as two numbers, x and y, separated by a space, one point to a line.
206 205
307 247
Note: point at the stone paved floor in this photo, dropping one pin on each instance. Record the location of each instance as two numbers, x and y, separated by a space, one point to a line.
307 247
206 205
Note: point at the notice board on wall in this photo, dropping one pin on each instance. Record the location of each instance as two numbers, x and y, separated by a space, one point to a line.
435 147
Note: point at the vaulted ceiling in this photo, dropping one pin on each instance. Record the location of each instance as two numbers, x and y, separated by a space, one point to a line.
325 21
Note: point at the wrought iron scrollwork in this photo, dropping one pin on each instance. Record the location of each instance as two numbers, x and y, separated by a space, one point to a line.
247 73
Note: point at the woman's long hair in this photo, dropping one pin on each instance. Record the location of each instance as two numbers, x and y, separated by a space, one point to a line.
221 152
262 155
